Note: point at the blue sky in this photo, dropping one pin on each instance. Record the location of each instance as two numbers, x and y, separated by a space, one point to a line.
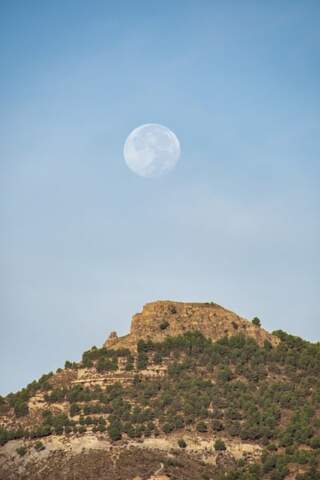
84 242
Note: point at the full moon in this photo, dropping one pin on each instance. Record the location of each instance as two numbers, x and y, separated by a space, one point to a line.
151 150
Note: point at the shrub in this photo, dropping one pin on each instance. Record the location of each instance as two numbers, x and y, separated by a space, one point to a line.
269 463
42 431
267 345
57 395
256 321
224 375
172 309
315 442
217 426
143 346
182 443
130 363
115 430
219 445
106 364
74 409
21 451
21 408
234 429
179 422
87 363
142 361
164 325
217 414
39 446
168 427
4 436
202 427
157 358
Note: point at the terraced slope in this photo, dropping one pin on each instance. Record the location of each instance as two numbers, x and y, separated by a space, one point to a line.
181 407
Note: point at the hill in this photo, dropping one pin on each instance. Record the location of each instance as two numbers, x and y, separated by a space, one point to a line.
193 392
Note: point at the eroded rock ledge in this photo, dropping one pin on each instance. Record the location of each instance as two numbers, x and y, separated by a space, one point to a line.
162 318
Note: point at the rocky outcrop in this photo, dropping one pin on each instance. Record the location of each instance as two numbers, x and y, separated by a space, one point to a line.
162 318
113 339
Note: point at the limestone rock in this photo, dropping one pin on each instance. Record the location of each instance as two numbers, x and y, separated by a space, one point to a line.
162 318
112 339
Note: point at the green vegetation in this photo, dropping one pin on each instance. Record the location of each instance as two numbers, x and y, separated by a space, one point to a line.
202 427
182 443
115 430
164 325
38 446
233 387
219 445
256 321
21 408
104 359
21 451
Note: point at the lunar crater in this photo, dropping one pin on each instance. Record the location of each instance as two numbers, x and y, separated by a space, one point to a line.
151 150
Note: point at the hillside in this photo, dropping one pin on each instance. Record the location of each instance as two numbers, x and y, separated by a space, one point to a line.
192 392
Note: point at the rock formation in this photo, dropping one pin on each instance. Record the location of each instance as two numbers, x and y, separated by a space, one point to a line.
162 318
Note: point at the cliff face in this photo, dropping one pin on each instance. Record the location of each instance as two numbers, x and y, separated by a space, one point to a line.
162 318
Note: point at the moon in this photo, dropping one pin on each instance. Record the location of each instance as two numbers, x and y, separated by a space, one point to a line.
151 150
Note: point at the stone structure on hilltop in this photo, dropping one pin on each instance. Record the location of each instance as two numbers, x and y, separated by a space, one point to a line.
162 318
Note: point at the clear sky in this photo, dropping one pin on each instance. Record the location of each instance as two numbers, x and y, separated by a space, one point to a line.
84 242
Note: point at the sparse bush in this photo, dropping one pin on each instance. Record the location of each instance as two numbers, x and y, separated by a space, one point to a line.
219 445
4 436
87 363
57 395
106 364
202 427
142 362
21 408
217 426
182 443
75 409
115 430
269 463
21 451
39 446
256 322
168 427
130 363
164 325
315 442
224 375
